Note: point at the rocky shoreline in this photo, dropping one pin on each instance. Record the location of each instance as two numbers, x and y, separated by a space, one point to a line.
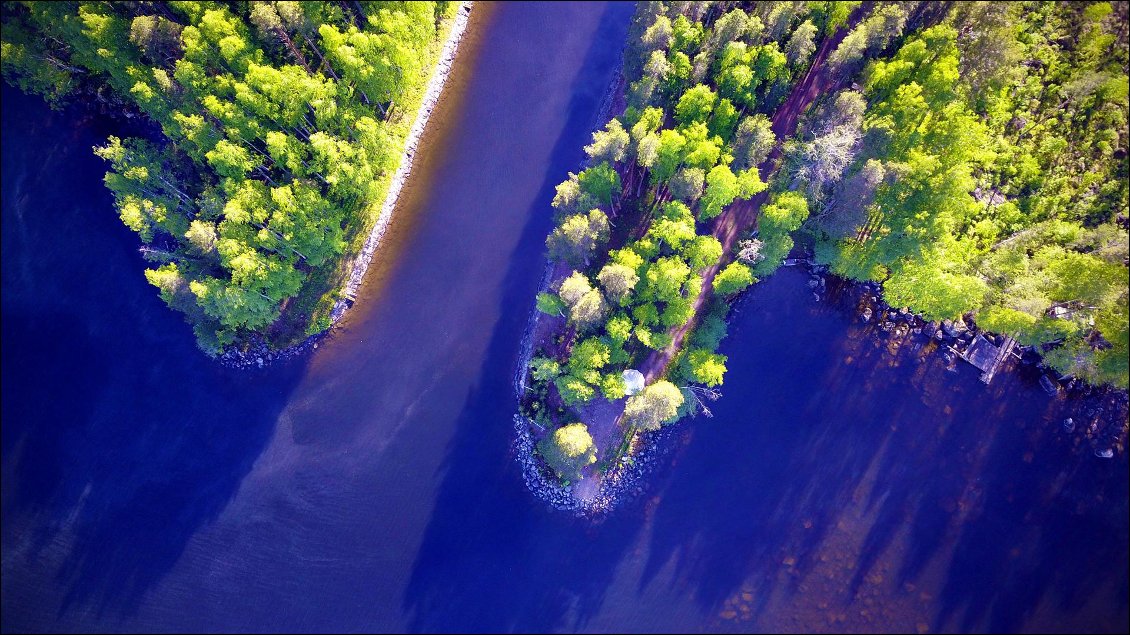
439 77
624 481
1105 408
258 353
618 485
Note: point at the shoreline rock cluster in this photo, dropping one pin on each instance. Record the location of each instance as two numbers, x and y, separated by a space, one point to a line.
1106 407
260 355
619 485
624 481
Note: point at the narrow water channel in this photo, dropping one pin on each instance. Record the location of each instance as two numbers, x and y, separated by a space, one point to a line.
371 486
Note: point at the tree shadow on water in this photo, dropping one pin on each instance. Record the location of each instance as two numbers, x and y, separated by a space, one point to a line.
745 502
493 557
829 453
125 468
120 439
1049 528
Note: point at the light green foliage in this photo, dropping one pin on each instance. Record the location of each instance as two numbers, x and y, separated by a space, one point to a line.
669 154
721 189
602 183
544 369
753 76
674 226
715 78
665 278
646 314
618 281
753 142
574 287
568 450
653 406
734 278
268 159
1111 363
655 340
686 34
550 304
677 312
589 355
696 105
774 249
1025 328
168 279
723 186
936 293
985 183
830 15
731 27
619 328
577 237
702 252
379 61
612 386
627 257
588 312
609 145
704 366
574 390
725 117
785 214
702 150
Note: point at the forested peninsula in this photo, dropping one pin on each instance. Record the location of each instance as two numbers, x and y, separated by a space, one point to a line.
969 159
281 125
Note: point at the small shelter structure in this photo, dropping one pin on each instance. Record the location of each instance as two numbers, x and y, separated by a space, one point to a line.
633 381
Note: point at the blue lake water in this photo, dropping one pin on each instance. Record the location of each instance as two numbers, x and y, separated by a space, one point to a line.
842 484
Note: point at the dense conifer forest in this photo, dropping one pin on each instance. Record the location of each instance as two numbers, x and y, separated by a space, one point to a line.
969 157
281 124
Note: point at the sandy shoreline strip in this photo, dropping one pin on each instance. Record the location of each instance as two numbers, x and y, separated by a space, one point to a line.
431 98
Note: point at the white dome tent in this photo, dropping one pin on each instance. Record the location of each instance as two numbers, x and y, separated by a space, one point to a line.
633 381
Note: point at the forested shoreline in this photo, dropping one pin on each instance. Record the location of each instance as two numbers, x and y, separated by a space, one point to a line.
972 159
282 124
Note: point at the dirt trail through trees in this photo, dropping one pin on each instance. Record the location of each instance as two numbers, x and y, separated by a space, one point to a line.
741 215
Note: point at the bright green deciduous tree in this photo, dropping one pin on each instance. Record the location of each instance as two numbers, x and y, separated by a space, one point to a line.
734 278
653 406
569 450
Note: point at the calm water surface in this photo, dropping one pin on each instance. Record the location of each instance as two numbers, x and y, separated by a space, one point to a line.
372 486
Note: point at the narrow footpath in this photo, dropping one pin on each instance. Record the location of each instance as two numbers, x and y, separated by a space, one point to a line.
741 215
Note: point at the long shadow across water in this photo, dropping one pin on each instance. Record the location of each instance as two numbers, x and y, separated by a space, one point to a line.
842 467
494 558
120 439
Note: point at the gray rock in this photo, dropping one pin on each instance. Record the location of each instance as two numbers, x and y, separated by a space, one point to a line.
954 328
